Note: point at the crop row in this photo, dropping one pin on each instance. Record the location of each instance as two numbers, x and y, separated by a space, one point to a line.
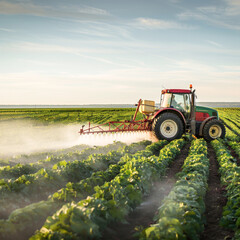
73 191
74 115
232 124
76 155
235 146
181 214
34 187
71 170
230 177
113 201
53 158
42 183
41 156
231 114
231 135
23 222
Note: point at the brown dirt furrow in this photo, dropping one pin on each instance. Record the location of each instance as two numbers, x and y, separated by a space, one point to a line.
233 123
143 215
215 200
230 128
234 154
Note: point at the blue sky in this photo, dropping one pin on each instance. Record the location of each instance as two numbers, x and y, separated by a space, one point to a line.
107 51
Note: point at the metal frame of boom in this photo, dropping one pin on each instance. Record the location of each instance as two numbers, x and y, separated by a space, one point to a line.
120 126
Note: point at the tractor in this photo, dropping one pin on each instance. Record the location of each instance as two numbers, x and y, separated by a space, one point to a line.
178 114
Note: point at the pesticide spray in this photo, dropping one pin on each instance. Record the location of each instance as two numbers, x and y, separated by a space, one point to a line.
108 138
26 137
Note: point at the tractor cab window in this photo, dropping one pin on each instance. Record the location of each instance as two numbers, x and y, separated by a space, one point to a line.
181 102
187 103
166 100
177 101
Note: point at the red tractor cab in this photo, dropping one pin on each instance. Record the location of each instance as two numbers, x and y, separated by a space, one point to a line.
178 114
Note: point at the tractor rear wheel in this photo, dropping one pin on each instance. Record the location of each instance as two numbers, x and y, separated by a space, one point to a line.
168 126
214 129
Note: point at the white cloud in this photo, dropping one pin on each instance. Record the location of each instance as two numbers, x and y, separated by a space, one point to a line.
214 43
213 16
194 66
6 30
209 9
232 68
225 14
233 7
74 12
94 54
38 47
102 30
120 85
150 23
229 8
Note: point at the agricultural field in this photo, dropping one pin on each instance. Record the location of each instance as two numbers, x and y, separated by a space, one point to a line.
49 116
184 189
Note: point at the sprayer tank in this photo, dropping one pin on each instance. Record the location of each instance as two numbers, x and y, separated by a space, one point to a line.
147 107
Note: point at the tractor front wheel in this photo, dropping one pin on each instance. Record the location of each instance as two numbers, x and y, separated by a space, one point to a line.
168 126
213 129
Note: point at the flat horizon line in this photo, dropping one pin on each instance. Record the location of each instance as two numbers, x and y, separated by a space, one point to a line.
103 103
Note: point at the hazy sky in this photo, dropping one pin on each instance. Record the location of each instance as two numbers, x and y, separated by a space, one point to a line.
109 51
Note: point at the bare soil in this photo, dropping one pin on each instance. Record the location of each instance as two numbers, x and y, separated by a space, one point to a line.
143 215
233 123
230 128
234 154
215 201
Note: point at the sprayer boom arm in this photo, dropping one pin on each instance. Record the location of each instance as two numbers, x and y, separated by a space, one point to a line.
118 126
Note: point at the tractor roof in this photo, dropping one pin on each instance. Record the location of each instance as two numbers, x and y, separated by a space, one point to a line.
176 91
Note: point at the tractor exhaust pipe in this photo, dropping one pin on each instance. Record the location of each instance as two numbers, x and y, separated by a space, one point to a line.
193 113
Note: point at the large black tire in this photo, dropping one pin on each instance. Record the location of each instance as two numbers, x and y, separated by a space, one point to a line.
168 126
213 129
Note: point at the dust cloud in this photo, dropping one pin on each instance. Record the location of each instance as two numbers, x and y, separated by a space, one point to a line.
25 137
